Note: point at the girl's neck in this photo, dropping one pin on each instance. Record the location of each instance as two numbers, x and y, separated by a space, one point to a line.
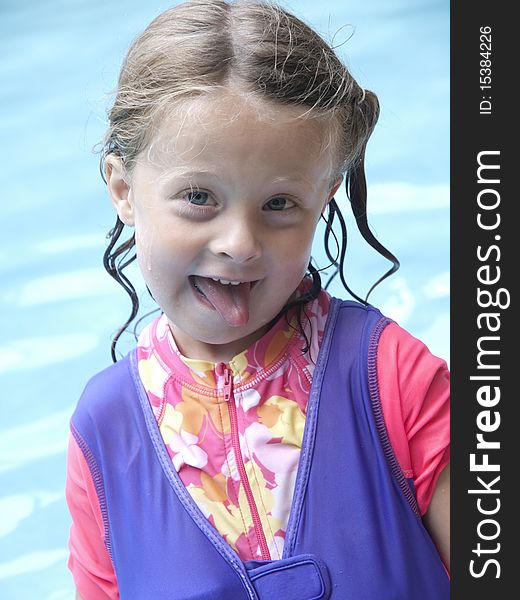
216 353
198 350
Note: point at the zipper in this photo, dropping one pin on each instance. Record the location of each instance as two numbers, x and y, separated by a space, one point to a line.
227 388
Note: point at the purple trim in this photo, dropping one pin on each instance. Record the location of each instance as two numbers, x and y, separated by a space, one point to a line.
309 432
379 418
178 486
98 484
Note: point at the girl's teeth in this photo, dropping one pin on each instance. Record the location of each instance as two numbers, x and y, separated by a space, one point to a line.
225 281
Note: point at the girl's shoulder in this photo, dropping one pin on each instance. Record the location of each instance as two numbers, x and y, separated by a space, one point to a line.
110 375
395 341
407 352
104 390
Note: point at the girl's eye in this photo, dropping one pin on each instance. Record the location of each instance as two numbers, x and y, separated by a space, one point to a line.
197 197
194 203
280 203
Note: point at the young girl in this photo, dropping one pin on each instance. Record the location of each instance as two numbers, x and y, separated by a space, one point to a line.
264 440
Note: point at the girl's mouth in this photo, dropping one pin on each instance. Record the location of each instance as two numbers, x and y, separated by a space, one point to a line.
230 299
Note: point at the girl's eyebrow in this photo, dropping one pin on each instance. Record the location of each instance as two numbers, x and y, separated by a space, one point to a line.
297 180
292 179
187 173
190 175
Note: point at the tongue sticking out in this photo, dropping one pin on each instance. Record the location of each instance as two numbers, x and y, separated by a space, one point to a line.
230 301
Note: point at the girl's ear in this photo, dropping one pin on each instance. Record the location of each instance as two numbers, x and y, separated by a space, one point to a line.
119 189
333 190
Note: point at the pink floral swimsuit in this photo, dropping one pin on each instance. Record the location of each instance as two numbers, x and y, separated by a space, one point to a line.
237 459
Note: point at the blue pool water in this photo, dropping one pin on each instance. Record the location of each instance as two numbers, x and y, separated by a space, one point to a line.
58 62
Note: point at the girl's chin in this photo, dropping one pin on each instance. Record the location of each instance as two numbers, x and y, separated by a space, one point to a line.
207 340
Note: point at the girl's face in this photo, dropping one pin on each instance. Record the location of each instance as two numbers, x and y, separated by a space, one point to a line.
230 190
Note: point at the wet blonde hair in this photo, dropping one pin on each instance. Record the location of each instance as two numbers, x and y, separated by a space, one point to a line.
258 47
261 49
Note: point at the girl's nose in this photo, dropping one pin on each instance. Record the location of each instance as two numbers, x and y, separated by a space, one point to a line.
238 242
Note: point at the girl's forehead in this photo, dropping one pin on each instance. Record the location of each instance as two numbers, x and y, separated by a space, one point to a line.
226 105
222 118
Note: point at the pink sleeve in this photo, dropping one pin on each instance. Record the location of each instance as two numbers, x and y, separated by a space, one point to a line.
89 560
414 389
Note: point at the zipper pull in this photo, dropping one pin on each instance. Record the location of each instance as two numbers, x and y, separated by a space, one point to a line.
228 384
225 380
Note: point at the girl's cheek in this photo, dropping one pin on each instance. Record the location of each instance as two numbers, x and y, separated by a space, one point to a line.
298 247
292 264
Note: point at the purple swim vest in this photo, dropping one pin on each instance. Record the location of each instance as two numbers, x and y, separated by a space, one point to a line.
354 531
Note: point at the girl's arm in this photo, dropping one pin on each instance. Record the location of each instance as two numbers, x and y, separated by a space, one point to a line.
437 517
89 560
414 390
